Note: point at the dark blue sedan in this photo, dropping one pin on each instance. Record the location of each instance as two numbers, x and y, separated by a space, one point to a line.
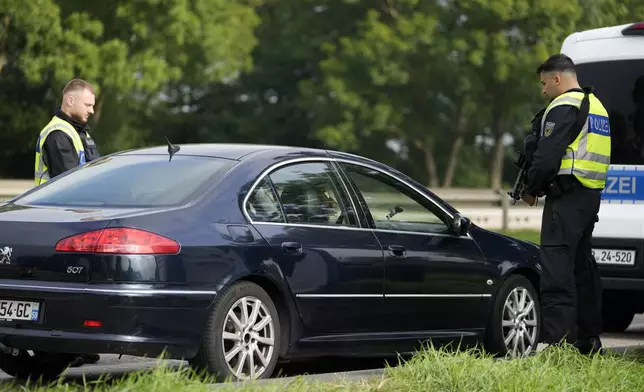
236 256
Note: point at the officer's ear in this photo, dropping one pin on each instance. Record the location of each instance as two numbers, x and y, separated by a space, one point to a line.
69 100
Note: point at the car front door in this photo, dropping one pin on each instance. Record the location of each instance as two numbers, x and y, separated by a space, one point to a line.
334 267
435 279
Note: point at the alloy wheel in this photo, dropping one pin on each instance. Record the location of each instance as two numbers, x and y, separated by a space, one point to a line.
248 338
519 323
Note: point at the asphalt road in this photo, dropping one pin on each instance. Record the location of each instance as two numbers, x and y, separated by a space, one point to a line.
325 369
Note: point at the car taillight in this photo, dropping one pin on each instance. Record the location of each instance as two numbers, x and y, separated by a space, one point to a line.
634 29
119 240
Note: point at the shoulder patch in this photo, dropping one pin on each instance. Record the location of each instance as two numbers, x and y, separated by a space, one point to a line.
548 128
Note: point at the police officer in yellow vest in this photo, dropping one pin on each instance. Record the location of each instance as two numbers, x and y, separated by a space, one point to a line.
65 143
569 168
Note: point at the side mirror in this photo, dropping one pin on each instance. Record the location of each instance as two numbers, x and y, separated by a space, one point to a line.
461 224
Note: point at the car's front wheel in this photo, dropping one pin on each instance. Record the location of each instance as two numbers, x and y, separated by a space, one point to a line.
242 336
514 325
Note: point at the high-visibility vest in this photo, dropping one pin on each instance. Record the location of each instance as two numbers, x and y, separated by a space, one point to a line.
588 156
41 172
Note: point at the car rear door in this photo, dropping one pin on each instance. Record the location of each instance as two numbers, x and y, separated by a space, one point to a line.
434 278
334 267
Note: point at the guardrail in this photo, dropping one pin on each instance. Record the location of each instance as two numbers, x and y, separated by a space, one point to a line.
12 188
487 208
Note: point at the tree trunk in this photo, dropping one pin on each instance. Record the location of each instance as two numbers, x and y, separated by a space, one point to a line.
4 48
430 165
496 170
426 145
461 120
498 152
96 117
453 161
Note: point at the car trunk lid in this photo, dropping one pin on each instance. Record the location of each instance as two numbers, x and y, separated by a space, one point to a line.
28 238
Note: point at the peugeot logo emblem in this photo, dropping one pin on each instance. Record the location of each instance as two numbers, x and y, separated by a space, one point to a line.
5 255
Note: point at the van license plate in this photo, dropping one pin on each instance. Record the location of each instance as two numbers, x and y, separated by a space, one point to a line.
19 310
614 256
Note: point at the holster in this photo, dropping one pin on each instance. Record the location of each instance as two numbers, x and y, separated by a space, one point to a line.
562 184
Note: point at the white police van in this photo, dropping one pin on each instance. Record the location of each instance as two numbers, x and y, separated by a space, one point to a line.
612 60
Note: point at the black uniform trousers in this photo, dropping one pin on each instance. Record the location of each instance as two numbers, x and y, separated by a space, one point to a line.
570 284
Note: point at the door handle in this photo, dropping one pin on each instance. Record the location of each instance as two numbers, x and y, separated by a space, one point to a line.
292 248
397 250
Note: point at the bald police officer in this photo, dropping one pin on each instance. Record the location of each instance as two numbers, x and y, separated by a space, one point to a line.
65 143
569 167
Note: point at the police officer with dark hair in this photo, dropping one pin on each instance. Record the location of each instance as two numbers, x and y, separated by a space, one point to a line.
569 167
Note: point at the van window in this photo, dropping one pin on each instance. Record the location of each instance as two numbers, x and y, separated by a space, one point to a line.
620 87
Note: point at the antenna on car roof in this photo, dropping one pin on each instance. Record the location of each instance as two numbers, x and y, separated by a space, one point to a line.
171 148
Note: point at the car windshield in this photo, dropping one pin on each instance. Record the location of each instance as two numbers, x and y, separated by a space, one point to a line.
130 181
620 87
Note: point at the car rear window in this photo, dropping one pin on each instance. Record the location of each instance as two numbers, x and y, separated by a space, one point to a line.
131 181
620 87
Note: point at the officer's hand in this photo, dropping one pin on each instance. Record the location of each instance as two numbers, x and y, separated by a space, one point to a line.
529 199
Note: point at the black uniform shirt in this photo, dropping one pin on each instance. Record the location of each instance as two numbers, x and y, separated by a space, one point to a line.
59 153
552 147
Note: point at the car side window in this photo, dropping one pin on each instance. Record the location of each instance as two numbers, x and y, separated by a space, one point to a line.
263 206
393 205
310 193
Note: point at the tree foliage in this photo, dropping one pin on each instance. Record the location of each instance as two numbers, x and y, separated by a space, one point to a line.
134 53
438 88
429 71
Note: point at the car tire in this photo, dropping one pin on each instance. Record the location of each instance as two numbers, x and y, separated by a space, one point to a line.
520 328
617 311
246 340
40 365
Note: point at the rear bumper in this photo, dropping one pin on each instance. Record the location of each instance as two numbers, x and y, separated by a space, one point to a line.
143 320
93 343
617 276
625 284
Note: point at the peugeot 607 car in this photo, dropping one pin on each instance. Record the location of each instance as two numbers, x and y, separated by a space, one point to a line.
234 257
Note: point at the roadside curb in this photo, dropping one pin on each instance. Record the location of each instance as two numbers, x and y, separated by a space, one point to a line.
355 375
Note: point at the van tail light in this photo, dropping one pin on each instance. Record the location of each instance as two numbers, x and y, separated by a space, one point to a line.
634 29
119 240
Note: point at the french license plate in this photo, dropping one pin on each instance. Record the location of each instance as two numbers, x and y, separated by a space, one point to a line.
614 256
19 310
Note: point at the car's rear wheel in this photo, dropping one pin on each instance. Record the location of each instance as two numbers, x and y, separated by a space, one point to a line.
242 336
36 365
515 320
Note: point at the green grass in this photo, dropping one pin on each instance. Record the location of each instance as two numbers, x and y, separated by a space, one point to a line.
528 235
430 370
